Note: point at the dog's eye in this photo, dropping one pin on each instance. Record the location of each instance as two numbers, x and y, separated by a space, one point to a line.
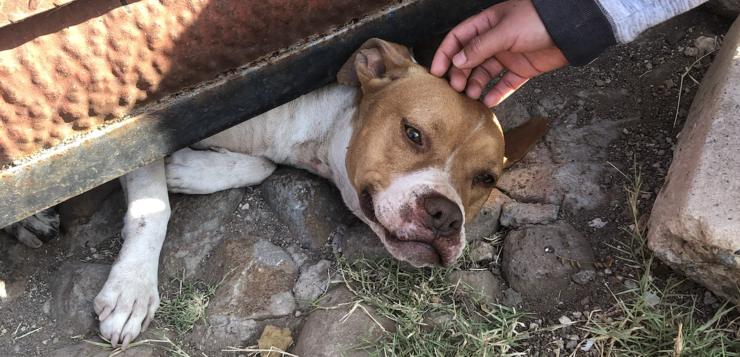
485 178
413 134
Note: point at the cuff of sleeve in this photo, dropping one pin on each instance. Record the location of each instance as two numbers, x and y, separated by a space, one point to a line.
578 27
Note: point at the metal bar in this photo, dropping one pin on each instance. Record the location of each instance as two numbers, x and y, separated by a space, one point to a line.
192 115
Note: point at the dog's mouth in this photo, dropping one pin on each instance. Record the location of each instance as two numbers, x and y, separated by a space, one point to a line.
416 252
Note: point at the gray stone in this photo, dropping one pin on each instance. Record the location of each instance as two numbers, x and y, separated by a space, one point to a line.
727 8
195 230
106 222
515 214
360 241
531 265
258 286
512 298
572 186
584 277
511 114
74 286
298 255
486 222
312 282
480 251
310 206
479 285
695 223
334 332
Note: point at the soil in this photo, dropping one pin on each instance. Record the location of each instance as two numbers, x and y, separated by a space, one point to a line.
640 71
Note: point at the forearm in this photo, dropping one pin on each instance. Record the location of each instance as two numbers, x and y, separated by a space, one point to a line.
582 29
629 18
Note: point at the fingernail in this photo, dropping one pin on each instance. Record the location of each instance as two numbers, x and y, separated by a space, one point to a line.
459 59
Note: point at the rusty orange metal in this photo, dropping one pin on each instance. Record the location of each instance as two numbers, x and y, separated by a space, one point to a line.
76 67
13 11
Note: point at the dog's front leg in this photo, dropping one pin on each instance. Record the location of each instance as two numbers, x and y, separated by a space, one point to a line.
129 298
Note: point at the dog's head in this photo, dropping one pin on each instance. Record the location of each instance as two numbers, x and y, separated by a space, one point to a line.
423 158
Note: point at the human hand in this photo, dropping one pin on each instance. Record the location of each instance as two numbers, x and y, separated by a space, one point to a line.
510 36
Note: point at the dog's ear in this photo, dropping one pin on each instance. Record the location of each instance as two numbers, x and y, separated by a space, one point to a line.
375 63
518 141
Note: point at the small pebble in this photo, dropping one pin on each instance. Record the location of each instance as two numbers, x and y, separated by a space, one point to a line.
577 315
565 320
608 271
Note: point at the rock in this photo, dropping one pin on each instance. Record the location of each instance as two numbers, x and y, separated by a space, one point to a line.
515 214
298 255
486 222
694 226
572 186
727 8
310 206
565 320
583 277
273 337
88 349
691 52
571 345
74 286
631 284
512 298
106 222
332 332
79 209
360 241
600 83
511 114
195 230
480 285
705 44
259 287
480 251
531 266
312 282
597 223
709 299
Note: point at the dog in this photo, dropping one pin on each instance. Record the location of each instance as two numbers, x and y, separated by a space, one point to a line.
412 158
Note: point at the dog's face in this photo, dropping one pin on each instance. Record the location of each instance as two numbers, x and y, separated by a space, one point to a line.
423 158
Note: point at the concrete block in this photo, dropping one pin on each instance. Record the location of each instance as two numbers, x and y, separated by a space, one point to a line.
695 223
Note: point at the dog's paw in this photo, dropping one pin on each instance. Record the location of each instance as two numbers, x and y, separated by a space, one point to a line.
126 305
203 172
36 230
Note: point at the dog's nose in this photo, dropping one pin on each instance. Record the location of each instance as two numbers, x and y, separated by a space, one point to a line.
443 215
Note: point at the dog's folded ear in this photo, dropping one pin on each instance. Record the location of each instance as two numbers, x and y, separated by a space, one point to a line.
518 141
376 63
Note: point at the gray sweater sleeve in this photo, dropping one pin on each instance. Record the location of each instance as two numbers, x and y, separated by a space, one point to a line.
582 29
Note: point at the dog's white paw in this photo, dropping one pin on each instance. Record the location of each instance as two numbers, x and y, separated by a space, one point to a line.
203 172
36 230
126 304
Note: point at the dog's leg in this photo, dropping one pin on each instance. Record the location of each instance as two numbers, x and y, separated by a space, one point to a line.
37 229
129 298
208 171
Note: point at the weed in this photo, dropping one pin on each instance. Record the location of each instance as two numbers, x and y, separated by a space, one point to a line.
647 321
410 297
189 303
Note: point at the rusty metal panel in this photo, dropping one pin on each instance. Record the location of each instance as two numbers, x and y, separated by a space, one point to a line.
97 60
12 11
179 120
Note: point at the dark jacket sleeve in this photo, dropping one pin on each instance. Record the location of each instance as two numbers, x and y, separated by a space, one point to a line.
578 27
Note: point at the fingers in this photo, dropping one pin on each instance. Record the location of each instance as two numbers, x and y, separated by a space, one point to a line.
481 75
460 36
508 83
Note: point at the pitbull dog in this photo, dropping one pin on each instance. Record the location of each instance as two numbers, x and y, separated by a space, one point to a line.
413 158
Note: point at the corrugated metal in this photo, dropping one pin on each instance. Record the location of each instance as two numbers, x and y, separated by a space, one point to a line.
12 11
96 60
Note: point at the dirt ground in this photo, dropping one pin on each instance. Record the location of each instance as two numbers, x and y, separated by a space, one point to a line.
647 73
